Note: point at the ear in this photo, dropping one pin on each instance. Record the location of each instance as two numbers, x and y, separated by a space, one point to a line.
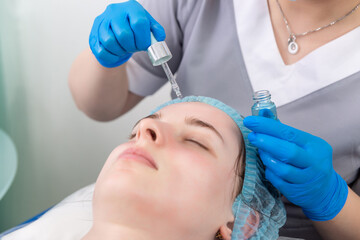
252 224
224 232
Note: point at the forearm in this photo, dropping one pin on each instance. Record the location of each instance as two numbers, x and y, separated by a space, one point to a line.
101 93
346 225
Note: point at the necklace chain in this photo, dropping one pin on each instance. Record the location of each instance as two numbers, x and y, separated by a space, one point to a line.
292 45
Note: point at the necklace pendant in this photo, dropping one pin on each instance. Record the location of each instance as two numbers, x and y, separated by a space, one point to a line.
293 47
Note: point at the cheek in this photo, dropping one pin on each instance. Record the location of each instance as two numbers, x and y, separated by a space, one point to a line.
195 183
195 163
198 174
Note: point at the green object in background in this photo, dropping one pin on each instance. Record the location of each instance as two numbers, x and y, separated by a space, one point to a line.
8 155
8 162
2 91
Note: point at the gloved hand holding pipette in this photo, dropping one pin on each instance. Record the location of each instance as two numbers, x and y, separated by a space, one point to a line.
121 30
126 28
300 166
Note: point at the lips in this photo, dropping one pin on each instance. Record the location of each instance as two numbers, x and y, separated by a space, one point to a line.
139 155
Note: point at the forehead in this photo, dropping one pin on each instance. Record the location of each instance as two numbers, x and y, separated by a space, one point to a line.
203 111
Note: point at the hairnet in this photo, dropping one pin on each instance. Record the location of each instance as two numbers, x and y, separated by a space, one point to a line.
258 197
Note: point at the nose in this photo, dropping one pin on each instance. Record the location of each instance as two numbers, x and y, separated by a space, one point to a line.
150 130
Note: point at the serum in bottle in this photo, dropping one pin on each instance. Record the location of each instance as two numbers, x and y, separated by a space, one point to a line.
263 106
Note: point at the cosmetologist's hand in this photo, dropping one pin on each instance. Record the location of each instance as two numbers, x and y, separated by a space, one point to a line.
300 166
121 30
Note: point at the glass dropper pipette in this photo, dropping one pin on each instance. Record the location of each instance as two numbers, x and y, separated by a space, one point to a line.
159 54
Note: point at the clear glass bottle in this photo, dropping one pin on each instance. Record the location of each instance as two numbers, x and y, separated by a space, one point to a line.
263 106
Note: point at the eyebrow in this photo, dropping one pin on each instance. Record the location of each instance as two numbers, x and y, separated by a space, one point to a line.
189 121
199 123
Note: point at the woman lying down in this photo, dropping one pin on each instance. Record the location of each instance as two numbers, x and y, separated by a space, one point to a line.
187 172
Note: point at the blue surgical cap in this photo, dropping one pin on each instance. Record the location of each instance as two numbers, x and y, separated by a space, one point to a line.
258 198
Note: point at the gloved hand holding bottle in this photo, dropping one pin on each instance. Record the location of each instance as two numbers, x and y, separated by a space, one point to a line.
300 166
121 30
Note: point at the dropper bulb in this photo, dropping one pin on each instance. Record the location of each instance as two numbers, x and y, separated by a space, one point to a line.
158 52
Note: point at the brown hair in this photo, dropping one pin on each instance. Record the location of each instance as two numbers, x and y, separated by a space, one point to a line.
239 168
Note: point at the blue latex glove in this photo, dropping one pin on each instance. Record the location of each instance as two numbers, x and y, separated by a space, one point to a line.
121 30
300 166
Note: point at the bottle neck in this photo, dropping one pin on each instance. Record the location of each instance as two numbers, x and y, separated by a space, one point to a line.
262 96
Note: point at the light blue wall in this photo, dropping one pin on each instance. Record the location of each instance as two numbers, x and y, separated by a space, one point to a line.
60 149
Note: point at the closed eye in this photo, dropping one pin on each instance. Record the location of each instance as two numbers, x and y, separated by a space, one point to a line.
197 143
132 135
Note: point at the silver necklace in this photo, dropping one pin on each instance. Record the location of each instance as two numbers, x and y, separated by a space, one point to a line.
293 47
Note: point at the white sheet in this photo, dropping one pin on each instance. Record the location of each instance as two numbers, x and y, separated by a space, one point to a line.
68 220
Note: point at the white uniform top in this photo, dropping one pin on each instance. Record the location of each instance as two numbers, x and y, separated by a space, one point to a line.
224 55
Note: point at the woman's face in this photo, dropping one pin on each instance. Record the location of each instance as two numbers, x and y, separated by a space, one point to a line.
176 173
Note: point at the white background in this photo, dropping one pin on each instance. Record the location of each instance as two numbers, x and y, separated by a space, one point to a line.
59 148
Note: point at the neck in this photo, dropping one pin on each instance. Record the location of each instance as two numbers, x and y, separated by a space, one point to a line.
115 232
111 231
314 13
